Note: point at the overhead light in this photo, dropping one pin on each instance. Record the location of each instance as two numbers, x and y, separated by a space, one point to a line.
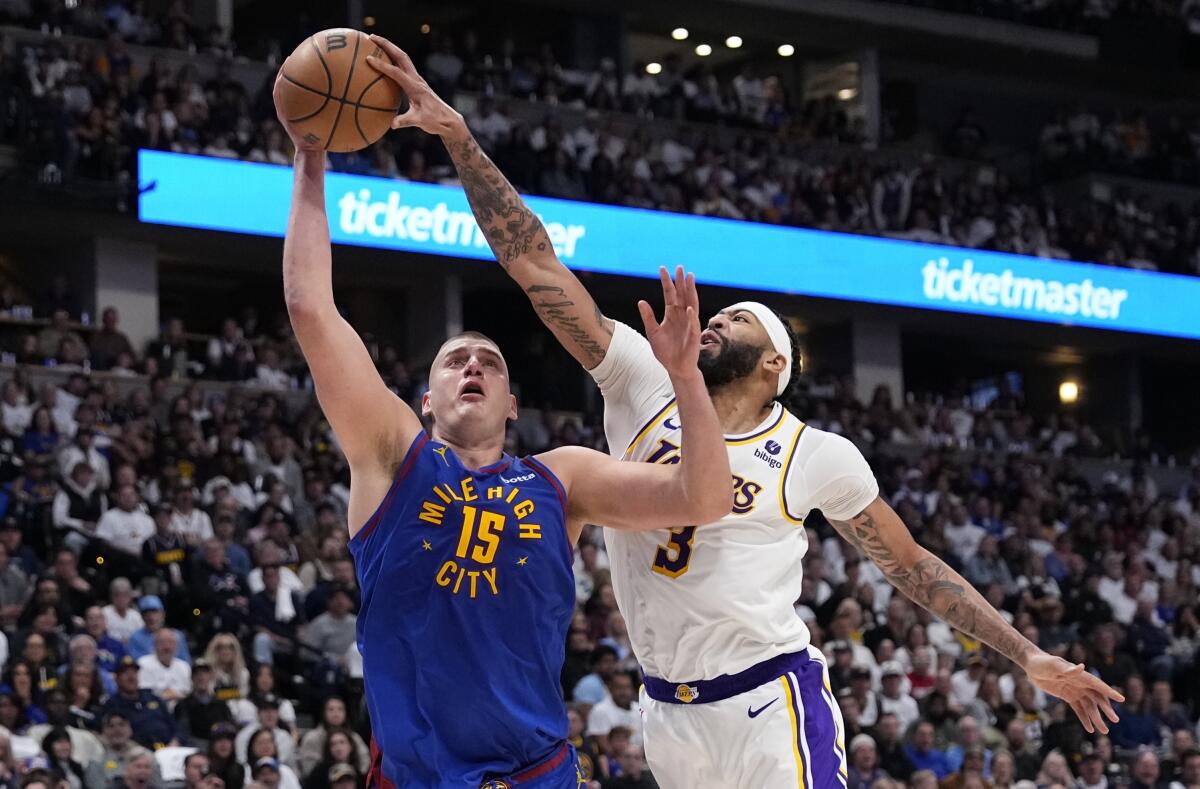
703 50
653 68
680 34
845 94
733 42
786 50
425 29
1068 392
369 22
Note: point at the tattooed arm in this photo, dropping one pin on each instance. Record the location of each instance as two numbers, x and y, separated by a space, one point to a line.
882 537
515 234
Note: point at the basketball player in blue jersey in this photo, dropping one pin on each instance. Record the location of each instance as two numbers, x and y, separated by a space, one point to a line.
464 553
735 695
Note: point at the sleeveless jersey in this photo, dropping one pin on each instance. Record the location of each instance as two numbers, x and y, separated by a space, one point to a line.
708 600
467 593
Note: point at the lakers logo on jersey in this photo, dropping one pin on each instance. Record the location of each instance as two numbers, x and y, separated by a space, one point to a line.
687 693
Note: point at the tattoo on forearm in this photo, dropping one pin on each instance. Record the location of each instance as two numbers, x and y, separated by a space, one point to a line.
933 585
555 310
511 229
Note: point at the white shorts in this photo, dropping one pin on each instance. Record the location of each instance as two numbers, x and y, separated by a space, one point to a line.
786 732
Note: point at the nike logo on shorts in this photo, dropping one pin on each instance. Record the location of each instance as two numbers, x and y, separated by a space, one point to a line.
757 712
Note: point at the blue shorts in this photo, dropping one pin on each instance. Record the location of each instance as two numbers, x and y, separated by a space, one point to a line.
559 770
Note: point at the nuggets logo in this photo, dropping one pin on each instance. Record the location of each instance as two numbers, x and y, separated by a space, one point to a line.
495 785
687 693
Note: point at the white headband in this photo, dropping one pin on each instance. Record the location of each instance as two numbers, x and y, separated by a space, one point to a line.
776 331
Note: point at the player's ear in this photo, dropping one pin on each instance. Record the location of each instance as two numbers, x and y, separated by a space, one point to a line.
775 362
512 407
426 408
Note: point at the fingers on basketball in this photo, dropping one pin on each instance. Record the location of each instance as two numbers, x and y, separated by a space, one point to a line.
331 97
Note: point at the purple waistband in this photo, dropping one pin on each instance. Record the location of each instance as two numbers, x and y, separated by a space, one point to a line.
726 686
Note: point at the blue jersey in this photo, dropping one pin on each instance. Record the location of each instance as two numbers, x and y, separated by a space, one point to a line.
467 594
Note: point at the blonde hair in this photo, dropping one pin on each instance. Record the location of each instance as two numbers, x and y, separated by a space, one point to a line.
238 674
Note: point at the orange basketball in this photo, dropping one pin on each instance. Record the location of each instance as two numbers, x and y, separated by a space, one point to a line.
332 97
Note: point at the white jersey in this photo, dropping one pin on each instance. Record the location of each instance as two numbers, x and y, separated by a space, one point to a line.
716 599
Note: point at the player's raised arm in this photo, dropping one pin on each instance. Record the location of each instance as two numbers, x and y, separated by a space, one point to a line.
513 231
879 533
373 426
696 490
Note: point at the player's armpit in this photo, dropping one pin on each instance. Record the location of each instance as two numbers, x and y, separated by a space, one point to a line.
879 533
523 247
632 496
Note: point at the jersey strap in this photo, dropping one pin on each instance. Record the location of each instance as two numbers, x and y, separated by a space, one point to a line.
703 691
797 520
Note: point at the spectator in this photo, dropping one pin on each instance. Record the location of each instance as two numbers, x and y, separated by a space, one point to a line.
86 747
333 632
634 773
121 620
924 754
1137 725
337 762
108 342
15 590
109 650
57 747
268 721
593 688
142 642
82 449
1024 754
52 337
232 679
221 756
1145 773
219 592
162 672
618 709
79 506
125 527
187 520
140 769
168 553
864 768
312 744
893 699
119 748
270 774
152 725
277 615
201 710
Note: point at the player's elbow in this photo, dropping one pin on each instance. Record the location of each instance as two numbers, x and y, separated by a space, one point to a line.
709 504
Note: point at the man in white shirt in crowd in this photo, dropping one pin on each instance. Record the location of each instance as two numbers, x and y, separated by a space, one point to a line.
126 526
15 411
188 520
83 449
120 617
618 709
167 676
893 699
963 535
964 683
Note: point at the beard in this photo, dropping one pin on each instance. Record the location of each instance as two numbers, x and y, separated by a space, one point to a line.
734 360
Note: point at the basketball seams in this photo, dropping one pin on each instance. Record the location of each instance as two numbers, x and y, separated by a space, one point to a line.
321 57
317 111
359 105
345 89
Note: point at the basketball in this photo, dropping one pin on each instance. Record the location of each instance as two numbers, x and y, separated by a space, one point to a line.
332 97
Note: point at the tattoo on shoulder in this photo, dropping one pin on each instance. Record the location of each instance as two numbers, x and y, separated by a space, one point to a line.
933 585
556 311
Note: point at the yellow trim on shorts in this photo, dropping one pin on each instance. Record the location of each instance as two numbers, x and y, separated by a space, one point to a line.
787 690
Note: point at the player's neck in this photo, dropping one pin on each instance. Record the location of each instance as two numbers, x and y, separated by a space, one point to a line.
740 408
474 454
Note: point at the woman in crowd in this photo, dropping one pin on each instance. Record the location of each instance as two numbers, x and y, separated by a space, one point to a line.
262 746
85 693
56 747
222 758
25 693
224 654
263 684
338 751
41 439
312 744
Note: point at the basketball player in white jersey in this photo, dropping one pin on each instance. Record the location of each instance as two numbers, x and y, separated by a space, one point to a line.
734 693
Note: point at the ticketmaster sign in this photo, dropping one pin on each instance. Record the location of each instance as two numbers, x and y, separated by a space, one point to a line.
243 197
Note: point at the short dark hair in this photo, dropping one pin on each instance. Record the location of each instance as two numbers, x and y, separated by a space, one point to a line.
601 650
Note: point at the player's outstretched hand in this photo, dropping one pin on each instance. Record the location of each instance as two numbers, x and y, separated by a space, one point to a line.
426 110
1089 696
298 141
676 339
